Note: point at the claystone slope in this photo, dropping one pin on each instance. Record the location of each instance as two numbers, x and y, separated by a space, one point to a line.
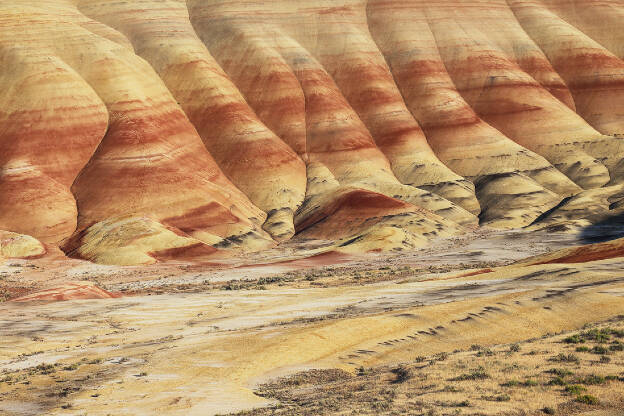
137 131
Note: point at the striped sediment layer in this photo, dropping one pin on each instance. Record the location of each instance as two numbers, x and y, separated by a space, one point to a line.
134 132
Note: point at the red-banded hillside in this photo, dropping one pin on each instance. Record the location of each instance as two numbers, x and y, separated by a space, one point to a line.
148 130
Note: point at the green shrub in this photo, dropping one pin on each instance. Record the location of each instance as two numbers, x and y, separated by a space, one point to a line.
587 399
557 381
574 389
598 335
599 349
574 339
592 379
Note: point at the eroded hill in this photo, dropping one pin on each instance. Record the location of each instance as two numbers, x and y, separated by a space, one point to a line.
138 131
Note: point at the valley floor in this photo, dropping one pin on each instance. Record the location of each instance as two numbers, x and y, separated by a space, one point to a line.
428 332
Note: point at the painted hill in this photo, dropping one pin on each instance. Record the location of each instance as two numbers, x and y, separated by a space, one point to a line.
144 130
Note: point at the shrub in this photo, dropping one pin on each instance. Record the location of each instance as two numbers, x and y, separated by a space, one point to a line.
582 349
499 398
71 367
604 359
592 379
587 399
599 349
478 374
402 374
598 335
548 410
232 285
485 352
43 369
568 358
557 381
514 348
574 389
561 372
574 339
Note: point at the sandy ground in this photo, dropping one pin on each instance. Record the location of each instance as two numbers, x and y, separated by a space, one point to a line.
198 340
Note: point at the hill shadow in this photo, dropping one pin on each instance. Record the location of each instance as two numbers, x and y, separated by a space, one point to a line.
605 230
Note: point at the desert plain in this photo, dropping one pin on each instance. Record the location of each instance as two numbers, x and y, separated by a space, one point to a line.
325 334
